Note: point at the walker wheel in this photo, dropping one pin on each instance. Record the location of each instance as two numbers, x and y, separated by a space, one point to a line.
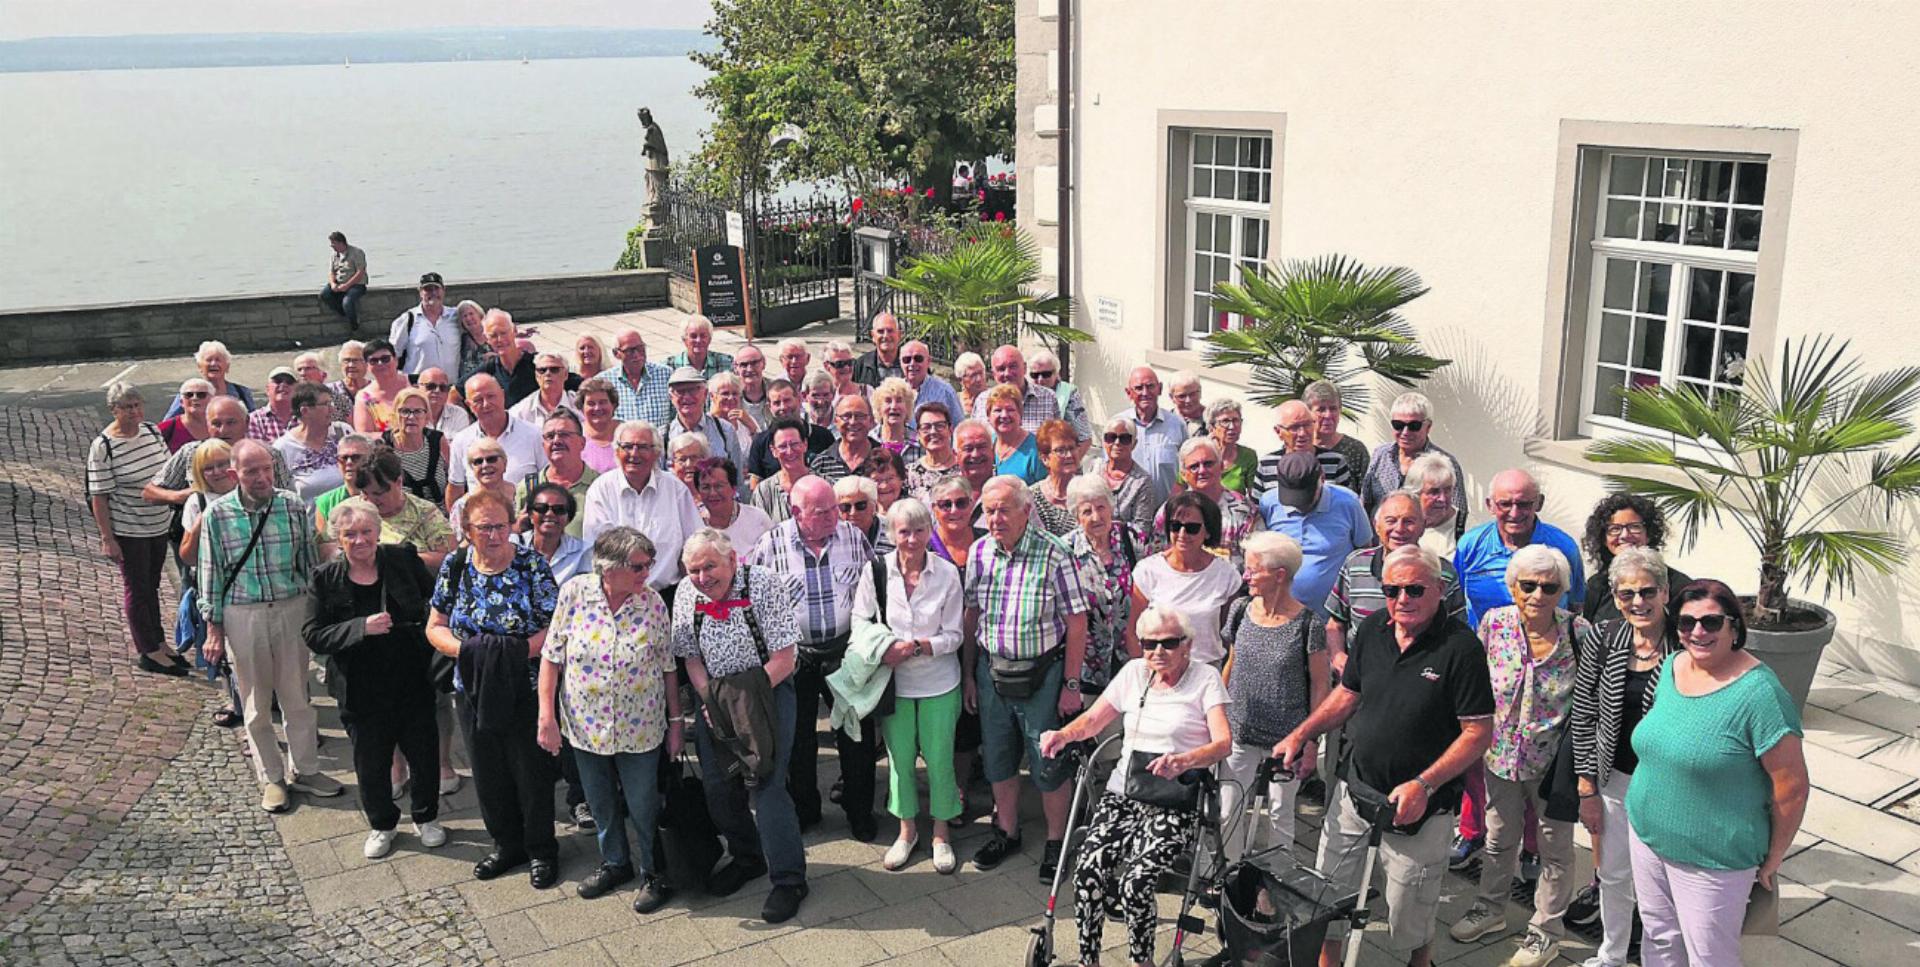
1039 953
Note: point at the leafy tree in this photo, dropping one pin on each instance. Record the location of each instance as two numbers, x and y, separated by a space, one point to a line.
983 292
882 90
1328 318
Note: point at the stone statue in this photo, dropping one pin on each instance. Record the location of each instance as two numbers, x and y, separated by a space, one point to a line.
654 155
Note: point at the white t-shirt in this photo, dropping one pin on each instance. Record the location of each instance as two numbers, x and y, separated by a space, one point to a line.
525 455
1199 596
750 523
1173 719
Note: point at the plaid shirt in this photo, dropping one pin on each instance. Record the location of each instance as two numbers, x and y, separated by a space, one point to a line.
1039 405
1026 595
279 566
827 580
262 425
1384 477
717 362
646 400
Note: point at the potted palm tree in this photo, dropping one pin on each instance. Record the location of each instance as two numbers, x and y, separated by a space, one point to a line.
1329 318
1779 458
981 293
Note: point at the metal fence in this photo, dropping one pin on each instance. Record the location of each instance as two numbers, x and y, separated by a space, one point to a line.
797 251
693 220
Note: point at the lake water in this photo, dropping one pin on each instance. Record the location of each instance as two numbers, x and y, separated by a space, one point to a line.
150 184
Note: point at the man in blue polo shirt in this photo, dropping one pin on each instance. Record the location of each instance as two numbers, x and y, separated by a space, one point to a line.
1481 559
1326 519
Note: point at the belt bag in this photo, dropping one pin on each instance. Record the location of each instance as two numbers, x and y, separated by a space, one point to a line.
826 655
1021 677
1145 787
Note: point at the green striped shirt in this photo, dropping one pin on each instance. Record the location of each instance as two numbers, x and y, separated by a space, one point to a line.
280 564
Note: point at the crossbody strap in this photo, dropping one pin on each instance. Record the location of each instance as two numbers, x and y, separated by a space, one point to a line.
259 527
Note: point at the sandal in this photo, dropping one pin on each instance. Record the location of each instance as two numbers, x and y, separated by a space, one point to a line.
226 718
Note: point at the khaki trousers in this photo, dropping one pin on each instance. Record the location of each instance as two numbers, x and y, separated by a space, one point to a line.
266 644
1507 808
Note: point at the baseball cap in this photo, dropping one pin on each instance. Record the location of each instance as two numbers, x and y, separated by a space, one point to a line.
686 374
1297 480
431 278
279 371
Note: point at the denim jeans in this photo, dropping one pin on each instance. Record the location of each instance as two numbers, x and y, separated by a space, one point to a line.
605 778
345 303
770 832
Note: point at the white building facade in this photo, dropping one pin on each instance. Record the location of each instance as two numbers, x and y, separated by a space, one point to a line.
1598 194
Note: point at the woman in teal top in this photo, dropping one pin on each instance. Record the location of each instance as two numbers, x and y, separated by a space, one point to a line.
1720 789
1016 451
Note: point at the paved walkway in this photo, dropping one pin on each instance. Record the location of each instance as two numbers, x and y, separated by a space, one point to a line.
129 831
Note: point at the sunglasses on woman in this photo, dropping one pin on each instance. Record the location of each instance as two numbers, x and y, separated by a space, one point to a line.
1711 623
951 505
1161 644
1403 426
1186 527
1529 587
1628 595
486 460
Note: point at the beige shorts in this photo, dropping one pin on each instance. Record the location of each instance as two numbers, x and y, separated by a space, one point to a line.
1413 868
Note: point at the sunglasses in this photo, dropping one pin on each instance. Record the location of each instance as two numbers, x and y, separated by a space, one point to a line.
547 508
853 506
1711 623
1042 374
486 459
436 387
642 566
380 360
1528 587
1392 592
913 359
549 370
1630 594
1124 439
1161 644
1400 426
951 505
839 363
1186 527
196 394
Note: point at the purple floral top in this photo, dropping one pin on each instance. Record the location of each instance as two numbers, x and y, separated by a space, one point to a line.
1533 698
1110 594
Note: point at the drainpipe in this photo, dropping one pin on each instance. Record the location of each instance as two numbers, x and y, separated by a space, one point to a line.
1066 136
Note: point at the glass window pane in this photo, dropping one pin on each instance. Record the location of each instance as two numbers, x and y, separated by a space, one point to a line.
1222 234
1252 240
1706 226
1266 188
1739 300
1249 152
1266 153
1628 174
1675 184
1619 290
1733 357
1623 219
1661 223
1710 180
1202 307
1746 231
1751 183
1654 281
1649 343
1696 352
1222 270
1202 229
1203 149
1614 331
1703 302
1249 186
1608 383
1202 272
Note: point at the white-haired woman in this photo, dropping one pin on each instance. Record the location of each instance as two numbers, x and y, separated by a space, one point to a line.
1241 464
370 616
1136 495
1343 459
970 375
1276 675
1175 720
190 424
892 414
121 460
607 685
1431 476
858 501
685 454
837 357
726 400
1411 418
920 596
1107 550
213 361
1532 659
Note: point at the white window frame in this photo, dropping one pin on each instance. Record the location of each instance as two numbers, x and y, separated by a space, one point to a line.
1241 213
1684 260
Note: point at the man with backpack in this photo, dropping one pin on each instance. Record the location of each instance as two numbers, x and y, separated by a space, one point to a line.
427 336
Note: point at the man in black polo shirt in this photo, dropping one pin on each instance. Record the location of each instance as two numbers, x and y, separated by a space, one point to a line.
1418 709
783 399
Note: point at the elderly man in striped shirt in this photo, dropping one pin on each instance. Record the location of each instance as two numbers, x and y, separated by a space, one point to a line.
1025 634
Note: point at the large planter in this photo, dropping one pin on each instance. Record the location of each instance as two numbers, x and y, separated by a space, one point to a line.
1794 655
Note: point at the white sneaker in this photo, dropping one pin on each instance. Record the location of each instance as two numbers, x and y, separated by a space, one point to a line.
899 853
943 861
450 784
379 843
432 835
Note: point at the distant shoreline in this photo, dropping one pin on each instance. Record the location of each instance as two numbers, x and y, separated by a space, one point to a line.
451 45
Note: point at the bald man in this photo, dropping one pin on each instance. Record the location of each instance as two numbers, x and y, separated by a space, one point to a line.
521 440
1481 559
1294 424
1158 432
883 360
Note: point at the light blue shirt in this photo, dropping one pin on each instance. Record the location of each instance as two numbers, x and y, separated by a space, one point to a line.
1335 527
573 556
1156 446
1481 559
937 390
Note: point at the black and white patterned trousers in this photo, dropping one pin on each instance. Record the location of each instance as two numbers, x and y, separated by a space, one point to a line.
1129 845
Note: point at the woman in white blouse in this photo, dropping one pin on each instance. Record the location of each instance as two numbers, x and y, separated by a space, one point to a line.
922 624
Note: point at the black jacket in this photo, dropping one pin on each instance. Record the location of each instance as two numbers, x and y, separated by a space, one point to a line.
760 459
382 672
868 370
499 681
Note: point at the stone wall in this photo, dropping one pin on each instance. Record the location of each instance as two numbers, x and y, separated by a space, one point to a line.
285 320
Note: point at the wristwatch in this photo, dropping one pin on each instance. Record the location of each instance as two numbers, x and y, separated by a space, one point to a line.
1425 785
916 648
1071 685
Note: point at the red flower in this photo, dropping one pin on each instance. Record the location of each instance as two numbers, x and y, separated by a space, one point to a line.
999 216
859 203
929 193
983 194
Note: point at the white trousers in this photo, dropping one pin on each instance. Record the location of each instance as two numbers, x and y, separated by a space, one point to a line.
1238 770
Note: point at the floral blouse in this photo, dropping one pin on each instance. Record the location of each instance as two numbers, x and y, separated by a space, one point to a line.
613 698
1110 591
518 601
1533 698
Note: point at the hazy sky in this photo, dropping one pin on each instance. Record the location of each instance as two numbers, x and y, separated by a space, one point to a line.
42 18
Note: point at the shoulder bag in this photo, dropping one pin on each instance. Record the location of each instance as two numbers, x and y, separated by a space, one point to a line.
1145 787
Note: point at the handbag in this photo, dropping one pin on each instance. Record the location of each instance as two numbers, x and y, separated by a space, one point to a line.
1145 787
1020 678
688 840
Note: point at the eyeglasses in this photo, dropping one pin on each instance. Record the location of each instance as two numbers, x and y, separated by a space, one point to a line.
546 508
549 370
1627 595
485 459
552 435
640 567
436 387
1711 623
1406 426
1294 428
491 530
195 394
1625 530
1549 587
1041 374
1505 506
1186 527
352 457
1230 422
636 447
412 413
952 505
839 363
913 359
380 360
628 350
853 506
1060 452
936 426
1161 644
1392 592
1124 439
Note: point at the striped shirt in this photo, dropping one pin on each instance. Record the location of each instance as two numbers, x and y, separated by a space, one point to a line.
646 400
1356 591
120 468
1024 596
717 363
827 579
1600 696
280 564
